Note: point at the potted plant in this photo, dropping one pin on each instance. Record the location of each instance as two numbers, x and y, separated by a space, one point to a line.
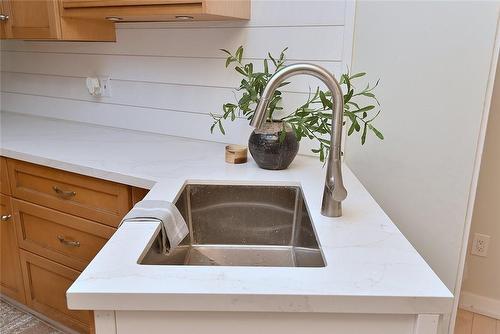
275 146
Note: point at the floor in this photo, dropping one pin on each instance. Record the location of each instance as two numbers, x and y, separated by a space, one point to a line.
16 321
473 323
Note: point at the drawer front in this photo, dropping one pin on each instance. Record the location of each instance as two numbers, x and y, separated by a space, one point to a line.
102 201
11 280
61 237
4 178
46 283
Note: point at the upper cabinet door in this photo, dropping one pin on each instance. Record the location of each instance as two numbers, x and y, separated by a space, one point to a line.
3 21
34 19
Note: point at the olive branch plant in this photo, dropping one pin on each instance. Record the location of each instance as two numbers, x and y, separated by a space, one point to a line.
313 119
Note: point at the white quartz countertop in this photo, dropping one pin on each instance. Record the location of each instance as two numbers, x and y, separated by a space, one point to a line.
370 266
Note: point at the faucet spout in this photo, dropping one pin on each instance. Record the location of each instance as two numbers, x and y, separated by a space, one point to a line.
334 191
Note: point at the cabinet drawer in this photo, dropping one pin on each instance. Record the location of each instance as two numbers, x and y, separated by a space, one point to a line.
11 281
46 283
4 177
102 201
61 237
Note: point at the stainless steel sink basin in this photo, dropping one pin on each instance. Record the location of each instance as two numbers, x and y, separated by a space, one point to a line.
242 225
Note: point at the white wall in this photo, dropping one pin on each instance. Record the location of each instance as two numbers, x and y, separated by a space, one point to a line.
433 59
481 285
168 77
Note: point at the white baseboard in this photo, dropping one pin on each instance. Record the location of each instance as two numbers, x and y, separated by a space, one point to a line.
480 304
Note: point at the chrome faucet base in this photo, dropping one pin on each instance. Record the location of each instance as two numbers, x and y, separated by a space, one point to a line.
329 206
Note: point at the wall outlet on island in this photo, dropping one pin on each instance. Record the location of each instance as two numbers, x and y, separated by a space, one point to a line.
480 244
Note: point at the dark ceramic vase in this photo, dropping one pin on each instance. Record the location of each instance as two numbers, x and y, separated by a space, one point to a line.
267 150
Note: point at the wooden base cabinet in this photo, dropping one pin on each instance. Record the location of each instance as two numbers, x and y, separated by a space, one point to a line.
53 224
4 177
11 281
46 283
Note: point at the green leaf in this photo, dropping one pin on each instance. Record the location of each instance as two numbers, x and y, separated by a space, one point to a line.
357 127
348 96
282 134
266 67
326 103
221 128
347 81
229 60
239 70
239 53
376 132
272 59
351 129
224 50
367 108
249 68
363 136
357 75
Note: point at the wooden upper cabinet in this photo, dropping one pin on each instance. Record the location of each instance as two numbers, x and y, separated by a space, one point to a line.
94 20
3 21
158 10
32 19
42 20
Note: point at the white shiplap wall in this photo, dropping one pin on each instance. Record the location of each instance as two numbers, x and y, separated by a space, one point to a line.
168 77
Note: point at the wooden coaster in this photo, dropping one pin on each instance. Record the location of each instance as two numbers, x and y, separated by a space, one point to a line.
236 154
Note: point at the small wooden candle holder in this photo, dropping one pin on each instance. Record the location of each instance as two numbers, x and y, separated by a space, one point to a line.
236 154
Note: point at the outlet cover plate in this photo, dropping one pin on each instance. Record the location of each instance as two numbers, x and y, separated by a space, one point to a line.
480 244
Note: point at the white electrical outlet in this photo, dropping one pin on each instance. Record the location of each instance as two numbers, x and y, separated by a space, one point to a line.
99 86
105 86
480 244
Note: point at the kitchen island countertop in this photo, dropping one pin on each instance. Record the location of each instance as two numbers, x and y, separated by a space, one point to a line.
370 265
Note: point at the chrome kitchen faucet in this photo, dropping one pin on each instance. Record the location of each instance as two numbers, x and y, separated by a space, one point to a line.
334 192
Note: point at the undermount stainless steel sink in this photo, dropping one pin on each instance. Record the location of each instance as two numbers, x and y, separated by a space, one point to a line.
242 225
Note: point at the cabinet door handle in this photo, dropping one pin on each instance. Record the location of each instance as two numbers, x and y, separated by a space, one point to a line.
71 243
5 218
4 17
64 193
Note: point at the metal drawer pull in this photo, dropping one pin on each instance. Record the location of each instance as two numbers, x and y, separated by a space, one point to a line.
4 17
63 193
5 218
68 242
